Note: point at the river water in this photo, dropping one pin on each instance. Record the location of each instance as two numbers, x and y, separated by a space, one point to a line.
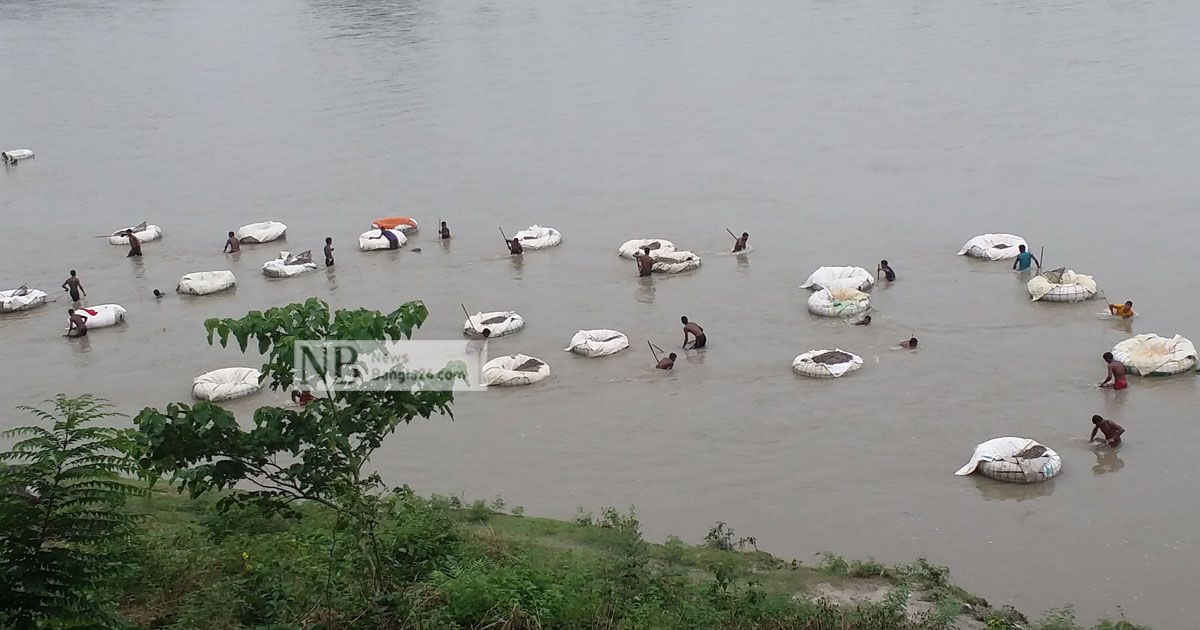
836 133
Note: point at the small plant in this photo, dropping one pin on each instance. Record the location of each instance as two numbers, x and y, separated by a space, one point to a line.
61 516
479 512
833 563
583 518
518 511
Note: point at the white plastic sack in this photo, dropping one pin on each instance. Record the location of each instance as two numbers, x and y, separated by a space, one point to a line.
144 233
102 315
498 323
373 239
538 237
997 458
516 369
226 383
597 343
278 267
20 299
804 364
1152 354
14 155
1070 286
831 277
677 261
264 232
993 246
656 245
206 282
838 302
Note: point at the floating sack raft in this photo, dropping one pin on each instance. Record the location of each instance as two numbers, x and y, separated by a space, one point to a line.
288 265
226 384
516 369
838 302
498 323
264 232
21 298
370 240
676 261
1061 285
833 277
102 315
206 282
826 363
14 155
597 343
1013 459
142 232
538 237
1152 355
993 246
402 224
656 245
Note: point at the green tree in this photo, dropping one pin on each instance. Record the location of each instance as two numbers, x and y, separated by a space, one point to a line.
312 453
61 515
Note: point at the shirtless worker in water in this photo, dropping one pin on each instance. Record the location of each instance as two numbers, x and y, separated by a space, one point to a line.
73 286
514 247
1112 431
645 262
1116 373
693 329
77 324
740 244
666 363
232 244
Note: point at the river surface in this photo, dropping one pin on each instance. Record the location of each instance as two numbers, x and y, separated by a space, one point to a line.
836 133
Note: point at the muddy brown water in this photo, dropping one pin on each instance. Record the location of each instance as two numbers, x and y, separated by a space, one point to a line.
834 133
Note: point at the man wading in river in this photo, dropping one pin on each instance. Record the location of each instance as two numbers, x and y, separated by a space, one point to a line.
1112 431
232 244
693 329
644 262
73 286
1116 373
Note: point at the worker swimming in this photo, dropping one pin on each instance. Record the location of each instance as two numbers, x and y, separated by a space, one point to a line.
1124 311
911 344
1116 373
1112 431
1023 258
666 363
693 329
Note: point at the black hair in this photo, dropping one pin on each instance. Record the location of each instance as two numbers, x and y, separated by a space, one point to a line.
1096 419
683 319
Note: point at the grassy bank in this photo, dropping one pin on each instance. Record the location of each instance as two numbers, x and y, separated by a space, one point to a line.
448 565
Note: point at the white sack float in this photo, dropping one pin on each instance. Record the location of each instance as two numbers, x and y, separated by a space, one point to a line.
1013 459
1061 285
838 302
226 384
102 315
515 369
143 233
206 282
20 299
656 245
993 246
264 232
16 155
677 261
498 323
1152 355
826 363
837 277
373 239
597 343
538 237
287 265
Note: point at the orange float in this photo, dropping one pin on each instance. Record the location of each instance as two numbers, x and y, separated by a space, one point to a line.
404 224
